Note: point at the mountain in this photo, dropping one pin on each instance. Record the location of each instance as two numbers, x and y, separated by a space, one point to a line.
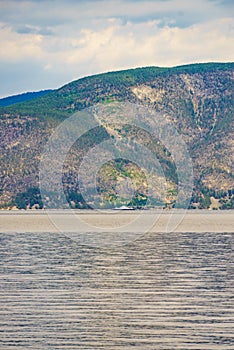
196 98
27 96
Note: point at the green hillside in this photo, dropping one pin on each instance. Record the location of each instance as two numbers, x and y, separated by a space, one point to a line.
197 99
27 96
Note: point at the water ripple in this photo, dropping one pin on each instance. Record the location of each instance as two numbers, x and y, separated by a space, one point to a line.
164 291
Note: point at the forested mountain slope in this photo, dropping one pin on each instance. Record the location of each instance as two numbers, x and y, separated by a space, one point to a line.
198 99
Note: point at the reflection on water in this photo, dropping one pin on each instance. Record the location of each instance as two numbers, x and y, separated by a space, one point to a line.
164 291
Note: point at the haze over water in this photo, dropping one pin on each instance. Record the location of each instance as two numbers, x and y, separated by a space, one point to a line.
162 291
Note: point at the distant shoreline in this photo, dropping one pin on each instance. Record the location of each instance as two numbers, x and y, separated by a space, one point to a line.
26 221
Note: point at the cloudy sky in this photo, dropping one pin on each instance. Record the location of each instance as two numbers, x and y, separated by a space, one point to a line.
47 43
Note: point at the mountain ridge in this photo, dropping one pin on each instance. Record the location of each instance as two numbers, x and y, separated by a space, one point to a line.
197 98
22 97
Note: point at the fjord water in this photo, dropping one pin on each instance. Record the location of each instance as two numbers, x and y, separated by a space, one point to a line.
162 291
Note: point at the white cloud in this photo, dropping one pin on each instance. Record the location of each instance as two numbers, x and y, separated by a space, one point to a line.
16 47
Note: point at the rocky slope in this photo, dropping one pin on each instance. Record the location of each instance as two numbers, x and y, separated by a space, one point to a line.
197 99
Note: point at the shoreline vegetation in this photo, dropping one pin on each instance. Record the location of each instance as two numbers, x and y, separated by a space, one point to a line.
36 208
208 199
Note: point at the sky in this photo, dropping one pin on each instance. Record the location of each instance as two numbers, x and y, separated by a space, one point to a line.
48 43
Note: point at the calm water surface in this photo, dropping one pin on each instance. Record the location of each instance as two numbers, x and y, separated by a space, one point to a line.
163 291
